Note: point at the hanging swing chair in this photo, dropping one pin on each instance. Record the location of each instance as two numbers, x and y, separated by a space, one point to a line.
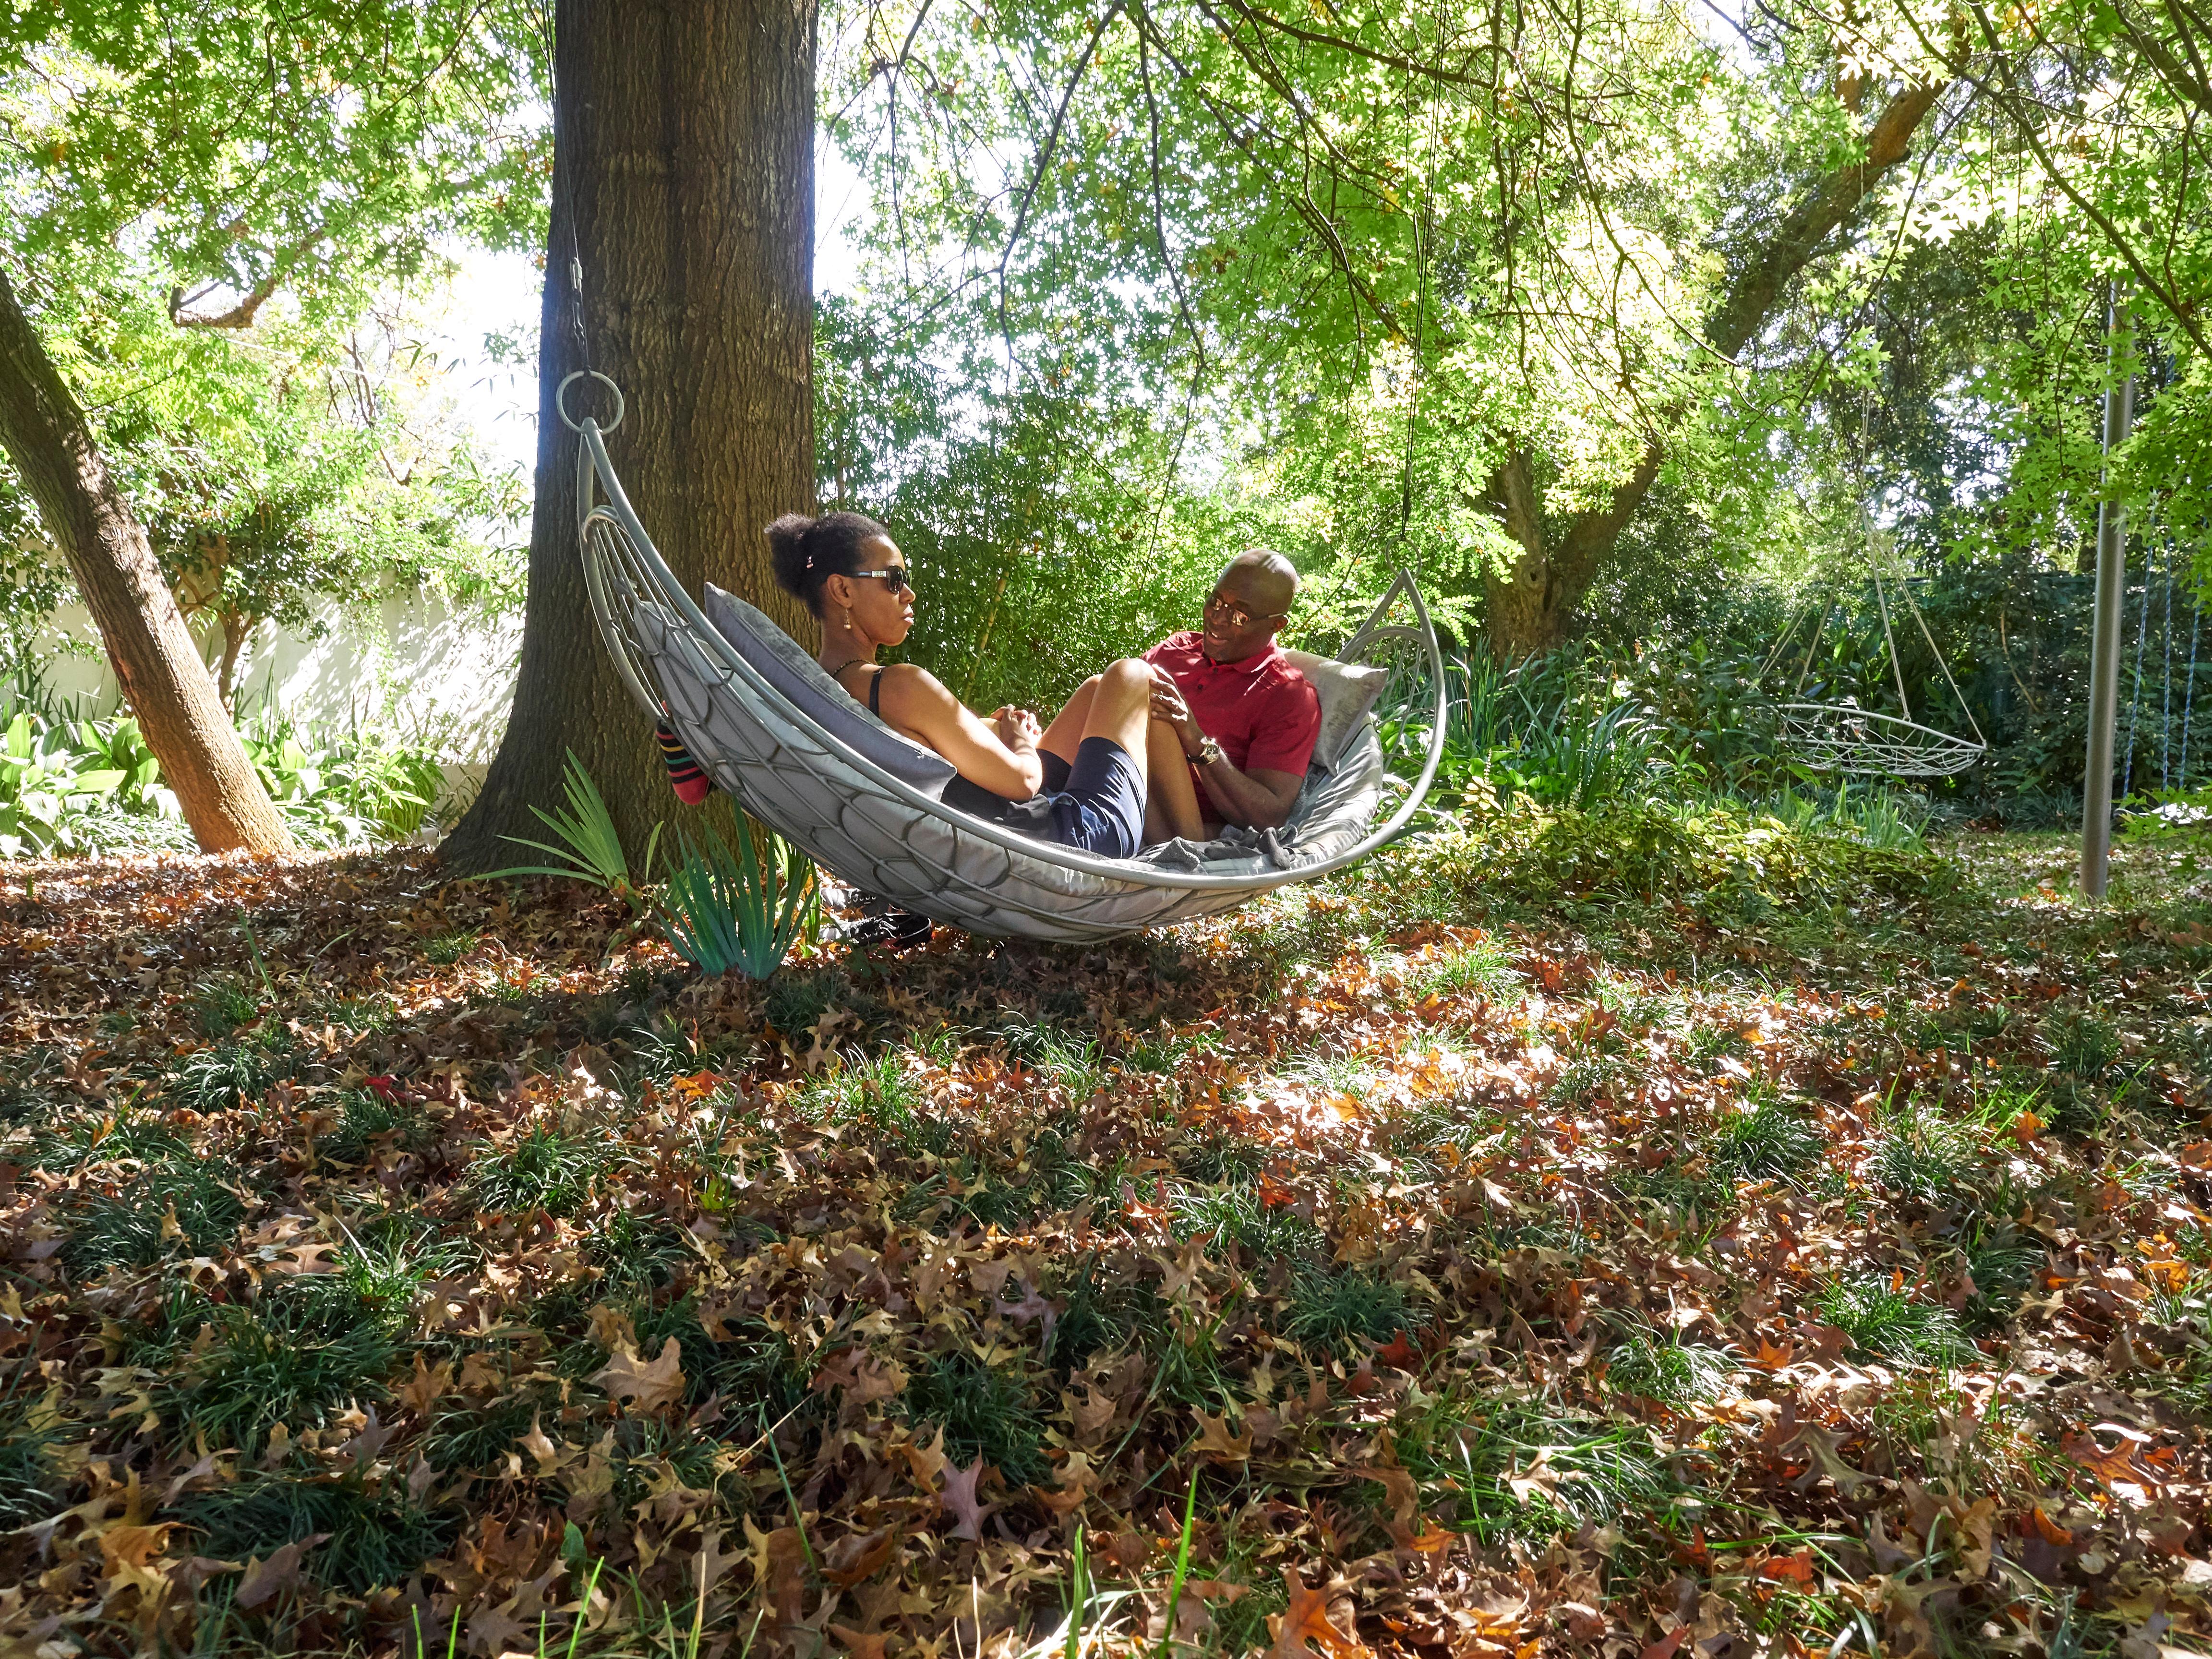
1843 737
783 739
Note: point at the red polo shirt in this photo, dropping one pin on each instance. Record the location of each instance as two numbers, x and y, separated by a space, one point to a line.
1262 712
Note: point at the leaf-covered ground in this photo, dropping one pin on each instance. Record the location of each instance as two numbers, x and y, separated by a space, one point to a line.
1507 1269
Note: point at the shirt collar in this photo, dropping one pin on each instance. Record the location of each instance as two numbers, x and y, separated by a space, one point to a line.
1249 666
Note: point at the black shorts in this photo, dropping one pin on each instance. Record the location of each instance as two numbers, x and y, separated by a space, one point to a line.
1096 805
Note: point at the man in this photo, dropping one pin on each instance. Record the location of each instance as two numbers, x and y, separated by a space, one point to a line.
1246 719
1227 705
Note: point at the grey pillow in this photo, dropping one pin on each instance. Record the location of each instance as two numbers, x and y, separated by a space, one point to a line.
1346 690
800 680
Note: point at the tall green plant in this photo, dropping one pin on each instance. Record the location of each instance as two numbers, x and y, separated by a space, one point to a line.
744 910
591 846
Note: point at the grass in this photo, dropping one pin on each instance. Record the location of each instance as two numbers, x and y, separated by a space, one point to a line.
230 1073
1482 968
1560 1190
305 1349
543 1168
1661 1366
372 1537
179 1206
1922 1154
1337 1311
1772 1140
1578 1469
220 1007
1239 1215
29 1489
370 1119
1888 1321
444 950
986 1411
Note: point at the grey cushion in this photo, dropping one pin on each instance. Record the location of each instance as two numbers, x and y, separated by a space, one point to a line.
1346 690
800 680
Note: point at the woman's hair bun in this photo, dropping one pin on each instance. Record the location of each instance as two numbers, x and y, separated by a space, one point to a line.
804 552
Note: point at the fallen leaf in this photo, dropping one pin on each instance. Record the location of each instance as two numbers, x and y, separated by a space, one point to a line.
279 1571
960 1500
646 1385
1306 1619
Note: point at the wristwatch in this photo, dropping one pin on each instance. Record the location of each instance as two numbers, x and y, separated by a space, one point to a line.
1208 751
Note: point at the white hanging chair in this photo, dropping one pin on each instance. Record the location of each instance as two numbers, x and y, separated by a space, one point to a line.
1841 737
859 818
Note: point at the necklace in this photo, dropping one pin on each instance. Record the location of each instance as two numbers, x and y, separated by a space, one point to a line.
850 662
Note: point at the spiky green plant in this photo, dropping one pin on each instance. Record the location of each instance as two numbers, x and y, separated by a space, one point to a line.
745 909
544 1168
590 848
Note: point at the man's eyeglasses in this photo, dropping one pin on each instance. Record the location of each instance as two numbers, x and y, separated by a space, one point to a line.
893 577
1238 616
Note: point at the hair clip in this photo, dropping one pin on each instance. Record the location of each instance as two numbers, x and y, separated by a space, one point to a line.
810 562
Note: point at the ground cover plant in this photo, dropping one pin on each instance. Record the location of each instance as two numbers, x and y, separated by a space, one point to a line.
1625 1229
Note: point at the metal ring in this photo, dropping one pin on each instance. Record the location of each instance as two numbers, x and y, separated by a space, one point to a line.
561 396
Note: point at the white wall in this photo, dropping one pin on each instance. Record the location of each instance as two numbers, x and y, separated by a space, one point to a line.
411 666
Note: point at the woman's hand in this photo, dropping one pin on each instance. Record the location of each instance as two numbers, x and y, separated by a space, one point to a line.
1017 728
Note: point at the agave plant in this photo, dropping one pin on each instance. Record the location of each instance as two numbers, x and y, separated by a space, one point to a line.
744 909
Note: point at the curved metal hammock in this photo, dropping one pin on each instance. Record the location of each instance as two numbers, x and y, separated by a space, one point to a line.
1841 737
1854 742
886 835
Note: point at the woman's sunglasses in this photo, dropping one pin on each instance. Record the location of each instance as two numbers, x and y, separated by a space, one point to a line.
893 577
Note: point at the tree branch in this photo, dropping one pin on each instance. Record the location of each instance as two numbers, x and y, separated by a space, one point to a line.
240 315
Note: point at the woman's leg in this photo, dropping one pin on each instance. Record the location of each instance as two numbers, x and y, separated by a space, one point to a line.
1171 800
1120 707
1108 780
1066 732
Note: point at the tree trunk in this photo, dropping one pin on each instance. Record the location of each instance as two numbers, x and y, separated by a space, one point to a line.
152 651
1531 604
684 159
236 630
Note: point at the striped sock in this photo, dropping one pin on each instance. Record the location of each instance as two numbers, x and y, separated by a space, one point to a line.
691 783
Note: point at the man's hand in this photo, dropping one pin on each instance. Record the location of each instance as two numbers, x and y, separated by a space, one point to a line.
1017 728
1168 705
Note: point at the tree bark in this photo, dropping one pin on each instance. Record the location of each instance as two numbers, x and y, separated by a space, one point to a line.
152 651
683 163
1531 605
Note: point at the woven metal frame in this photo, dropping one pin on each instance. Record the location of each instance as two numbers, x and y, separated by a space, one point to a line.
1831 737
888 838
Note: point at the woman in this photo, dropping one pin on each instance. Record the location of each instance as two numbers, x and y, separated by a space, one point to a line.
1085 787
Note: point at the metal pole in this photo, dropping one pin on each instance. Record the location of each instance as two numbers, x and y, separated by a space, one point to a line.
2111 593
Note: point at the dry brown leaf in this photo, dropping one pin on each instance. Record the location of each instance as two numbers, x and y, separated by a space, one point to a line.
646 1385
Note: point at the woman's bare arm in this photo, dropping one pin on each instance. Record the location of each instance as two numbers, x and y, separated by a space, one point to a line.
916 702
